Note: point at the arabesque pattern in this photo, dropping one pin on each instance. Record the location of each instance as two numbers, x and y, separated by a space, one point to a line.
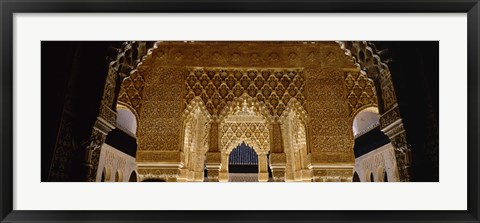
255 135
218 86
131 91
361 92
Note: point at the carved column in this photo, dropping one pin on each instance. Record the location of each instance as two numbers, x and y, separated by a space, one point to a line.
262 167
213 155
104 124
223 175
306 174
199 168
277 155
277 165
183 173
213 166
392 125
190 167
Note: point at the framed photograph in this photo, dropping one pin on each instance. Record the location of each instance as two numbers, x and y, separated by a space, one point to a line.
201 111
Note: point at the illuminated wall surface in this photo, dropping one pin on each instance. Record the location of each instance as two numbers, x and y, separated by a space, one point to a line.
245 111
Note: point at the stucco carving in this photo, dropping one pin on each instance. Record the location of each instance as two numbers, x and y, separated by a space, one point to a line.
112 161
219 86
360 92
373 63
378 162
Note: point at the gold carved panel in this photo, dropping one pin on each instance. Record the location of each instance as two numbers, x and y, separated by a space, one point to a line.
360 92
219 86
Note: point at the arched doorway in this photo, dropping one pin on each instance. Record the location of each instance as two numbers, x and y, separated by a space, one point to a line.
195 141
133 177
243 164
245 121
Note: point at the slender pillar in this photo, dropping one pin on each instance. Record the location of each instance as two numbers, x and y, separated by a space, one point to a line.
198 170
262 167
223 175
191 165
277 154
214 157
392 125
278 166
396 132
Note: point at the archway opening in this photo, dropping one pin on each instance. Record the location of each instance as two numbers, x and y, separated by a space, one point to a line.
245 121
365 120
133 177
102 179
356 178
385 177
243 164
118 176
106 175
126 121
371 178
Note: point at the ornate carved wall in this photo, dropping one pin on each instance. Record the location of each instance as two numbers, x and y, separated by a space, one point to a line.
115 165
378 163
271 73
159 84
330 137
245 121
218 86
360 92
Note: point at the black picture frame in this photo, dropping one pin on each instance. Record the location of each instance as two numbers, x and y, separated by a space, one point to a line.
9 7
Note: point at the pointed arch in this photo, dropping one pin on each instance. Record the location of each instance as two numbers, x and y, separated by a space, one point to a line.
245 120
294 132
236 106
196 127
364 120
127 118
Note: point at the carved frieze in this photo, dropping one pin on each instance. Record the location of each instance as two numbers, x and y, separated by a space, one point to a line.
248 54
